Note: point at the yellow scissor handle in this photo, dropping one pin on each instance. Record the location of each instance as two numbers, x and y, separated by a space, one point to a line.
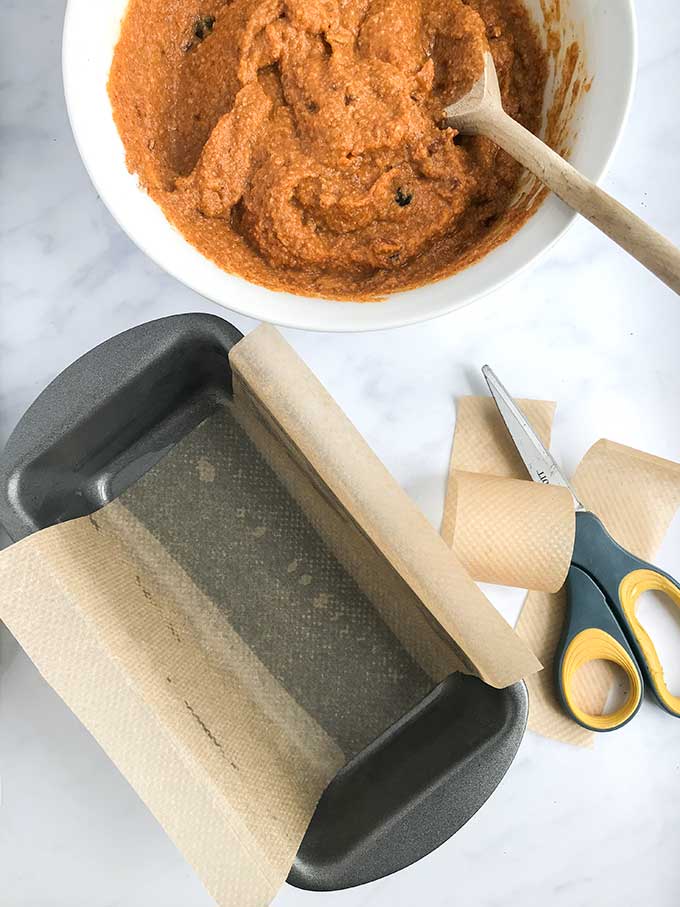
631 588
594 644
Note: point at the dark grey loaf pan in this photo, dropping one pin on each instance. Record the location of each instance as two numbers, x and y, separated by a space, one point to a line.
101 425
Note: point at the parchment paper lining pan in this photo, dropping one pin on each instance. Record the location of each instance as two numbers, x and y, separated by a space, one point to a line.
205 630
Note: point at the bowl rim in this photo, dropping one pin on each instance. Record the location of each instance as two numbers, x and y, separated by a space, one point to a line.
308 319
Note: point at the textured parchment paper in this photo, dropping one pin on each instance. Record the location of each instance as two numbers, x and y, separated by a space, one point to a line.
521 533
510 531
264 603
504 528
321 437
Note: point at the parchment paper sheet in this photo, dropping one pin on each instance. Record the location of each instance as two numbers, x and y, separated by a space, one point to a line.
211 626
635 494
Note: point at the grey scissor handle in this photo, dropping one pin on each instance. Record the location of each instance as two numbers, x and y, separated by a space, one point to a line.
603 587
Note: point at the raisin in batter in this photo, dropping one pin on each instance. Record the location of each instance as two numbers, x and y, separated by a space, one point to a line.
299 143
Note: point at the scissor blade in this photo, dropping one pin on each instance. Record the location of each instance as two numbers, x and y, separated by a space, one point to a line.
538 461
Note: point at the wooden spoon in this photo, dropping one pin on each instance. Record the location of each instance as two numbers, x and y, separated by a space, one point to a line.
481 112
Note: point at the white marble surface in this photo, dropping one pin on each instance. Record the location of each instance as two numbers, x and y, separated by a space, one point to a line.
588 327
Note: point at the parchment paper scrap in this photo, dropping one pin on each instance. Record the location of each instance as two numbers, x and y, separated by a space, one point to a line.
511 532
635 494
479 445
504 528
211 626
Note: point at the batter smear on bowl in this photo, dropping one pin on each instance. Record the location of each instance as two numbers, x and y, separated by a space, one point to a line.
299 143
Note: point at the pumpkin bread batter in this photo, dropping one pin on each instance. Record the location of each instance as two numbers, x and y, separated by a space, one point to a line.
299 143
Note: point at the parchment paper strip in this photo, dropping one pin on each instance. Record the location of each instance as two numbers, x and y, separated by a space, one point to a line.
481 442
299 408
224 776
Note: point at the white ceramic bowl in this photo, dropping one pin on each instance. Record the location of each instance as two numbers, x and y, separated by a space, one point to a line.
606 33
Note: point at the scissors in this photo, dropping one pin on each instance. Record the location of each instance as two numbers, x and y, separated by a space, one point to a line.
603 586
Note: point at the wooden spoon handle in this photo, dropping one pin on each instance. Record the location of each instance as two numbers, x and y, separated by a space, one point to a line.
650 248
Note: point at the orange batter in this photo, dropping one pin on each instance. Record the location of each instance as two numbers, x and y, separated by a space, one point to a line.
299 143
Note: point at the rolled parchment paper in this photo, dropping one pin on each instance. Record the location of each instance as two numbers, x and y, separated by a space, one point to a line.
512 532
